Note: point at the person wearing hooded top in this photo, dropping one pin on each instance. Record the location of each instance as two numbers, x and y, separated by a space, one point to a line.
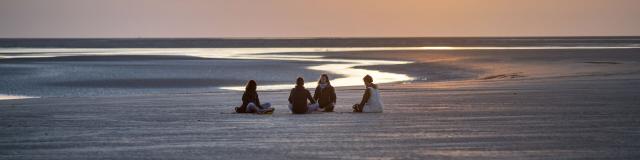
325 94
251 102
298 99
371 101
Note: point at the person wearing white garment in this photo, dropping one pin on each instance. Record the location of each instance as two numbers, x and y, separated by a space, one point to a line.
371 101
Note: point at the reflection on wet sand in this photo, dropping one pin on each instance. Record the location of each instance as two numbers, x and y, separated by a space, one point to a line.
344 67
9 97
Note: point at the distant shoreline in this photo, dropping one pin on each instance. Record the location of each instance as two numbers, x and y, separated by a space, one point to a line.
310 42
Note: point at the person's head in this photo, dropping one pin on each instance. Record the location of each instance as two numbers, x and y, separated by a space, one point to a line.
251 86
367 80
324 79
300 82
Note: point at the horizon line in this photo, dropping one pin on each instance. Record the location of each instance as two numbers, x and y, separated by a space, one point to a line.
313 37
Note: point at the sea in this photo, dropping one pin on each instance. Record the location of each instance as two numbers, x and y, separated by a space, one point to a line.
93 67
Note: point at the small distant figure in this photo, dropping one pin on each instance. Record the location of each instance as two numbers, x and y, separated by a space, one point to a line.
251 102
298 99
325 95
371 101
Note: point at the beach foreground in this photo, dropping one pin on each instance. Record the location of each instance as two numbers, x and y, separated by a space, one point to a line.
585 109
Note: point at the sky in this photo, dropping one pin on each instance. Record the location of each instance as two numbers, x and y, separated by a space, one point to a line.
316 18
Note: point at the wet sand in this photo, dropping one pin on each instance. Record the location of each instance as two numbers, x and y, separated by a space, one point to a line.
507 105
123 75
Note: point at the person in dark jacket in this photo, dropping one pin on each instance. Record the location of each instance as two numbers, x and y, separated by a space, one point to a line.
325 95
298 99
251 102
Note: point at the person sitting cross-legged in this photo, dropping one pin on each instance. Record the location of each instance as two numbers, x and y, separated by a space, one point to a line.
325 94
251 102
298 99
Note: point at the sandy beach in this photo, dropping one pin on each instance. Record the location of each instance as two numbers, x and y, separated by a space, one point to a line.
436 79
480 104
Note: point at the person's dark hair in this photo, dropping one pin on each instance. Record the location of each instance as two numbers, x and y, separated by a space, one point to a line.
299 81
326 77
251 86
367 79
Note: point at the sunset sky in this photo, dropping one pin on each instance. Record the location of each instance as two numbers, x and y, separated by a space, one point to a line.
317 18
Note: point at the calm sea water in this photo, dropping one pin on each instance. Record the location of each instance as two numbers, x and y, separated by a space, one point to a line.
114 67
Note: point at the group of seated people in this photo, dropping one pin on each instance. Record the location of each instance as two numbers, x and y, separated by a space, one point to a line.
301 101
